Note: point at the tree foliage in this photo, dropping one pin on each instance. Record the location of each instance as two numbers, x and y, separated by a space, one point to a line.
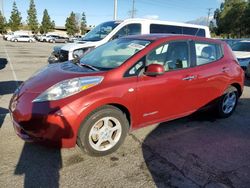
233 18
83 24
32 17
71 24
15 18
46 25
2 23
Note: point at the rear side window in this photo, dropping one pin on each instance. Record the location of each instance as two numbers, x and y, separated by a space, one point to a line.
194 31
157 28
207 52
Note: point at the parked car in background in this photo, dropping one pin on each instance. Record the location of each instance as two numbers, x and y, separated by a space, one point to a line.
47 37
242 52
8 35
59 39
231 42
115 29
22 38
126 84
248 71
75 38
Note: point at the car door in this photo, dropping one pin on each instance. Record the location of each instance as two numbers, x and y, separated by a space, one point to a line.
211 72
166 96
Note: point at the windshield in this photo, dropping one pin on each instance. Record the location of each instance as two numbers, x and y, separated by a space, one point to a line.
242 46
100 31
114 53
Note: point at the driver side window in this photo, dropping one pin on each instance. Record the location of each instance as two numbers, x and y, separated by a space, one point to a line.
172 56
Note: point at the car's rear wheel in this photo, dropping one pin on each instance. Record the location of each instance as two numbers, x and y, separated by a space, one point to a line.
103 131
15 40
227 102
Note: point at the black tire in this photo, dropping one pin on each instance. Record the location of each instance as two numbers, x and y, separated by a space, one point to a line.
15 40
221 110
83 139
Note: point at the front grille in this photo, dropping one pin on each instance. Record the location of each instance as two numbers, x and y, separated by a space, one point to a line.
63 55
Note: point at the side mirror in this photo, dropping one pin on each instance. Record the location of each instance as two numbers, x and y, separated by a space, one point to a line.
154 70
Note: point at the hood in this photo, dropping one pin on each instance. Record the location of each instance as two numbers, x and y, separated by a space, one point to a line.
241 54
54 73
74 46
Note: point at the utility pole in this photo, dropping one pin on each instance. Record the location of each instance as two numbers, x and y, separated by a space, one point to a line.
115 10
133 9
208 15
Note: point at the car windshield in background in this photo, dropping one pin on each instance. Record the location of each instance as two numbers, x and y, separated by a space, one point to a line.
242 46
100 31
114 53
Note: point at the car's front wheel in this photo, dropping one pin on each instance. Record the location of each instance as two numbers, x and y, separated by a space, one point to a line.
103 131
227 102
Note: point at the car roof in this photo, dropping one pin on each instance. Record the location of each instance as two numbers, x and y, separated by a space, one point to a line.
154 37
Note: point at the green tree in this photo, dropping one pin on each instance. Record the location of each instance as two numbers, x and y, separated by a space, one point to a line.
2 23
15 18
46 25
71 24
83 24
32 17
230 18
246 19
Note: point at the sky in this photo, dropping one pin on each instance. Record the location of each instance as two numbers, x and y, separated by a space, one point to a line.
98 11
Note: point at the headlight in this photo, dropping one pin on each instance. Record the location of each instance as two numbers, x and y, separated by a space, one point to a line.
80 52
68 87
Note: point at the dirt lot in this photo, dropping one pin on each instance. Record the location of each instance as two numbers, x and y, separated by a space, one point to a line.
196 151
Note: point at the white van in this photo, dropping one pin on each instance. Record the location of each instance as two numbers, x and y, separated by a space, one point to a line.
114 29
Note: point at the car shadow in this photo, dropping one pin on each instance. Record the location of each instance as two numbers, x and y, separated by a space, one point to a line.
40 165
200 149
3 112
9 87
247 82
3 63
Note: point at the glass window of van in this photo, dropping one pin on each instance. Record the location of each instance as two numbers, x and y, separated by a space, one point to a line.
100 31
130 29
157 28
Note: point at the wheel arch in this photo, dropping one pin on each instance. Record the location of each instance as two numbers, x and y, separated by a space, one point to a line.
238 87
123 109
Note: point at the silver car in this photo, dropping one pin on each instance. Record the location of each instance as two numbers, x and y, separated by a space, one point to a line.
242 52
23 38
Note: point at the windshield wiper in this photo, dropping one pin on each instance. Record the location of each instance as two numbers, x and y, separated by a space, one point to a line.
76 61
89 66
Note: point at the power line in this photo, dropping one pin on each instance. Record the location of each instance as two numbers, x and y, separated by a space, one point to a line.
133 11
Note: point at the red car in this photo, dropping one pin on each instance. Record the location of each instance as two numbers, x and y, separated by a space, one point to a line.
124 85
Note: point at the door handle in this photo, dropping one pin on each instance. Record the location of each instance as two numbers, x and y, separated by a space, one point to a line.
225 69
189 78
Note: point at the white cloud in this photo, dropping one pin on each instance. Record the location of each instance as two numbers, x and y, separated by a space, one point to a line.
154 17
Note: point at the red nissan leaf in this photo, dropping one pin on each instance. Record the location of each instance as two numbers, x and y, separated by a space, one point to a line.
124 85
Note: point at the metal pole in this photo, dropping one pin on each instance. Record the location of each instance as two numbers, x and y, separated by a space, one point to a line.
115 10
133 9
208 15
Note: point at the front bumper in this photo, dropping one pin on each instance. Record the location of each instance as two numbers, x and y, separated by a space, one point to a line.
49 124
